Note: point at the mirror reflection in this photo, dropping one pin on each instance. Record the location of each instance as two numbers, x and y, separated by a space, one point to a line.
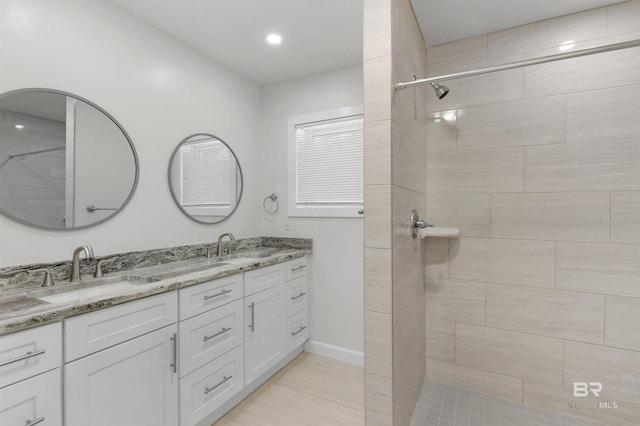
64 162
205 178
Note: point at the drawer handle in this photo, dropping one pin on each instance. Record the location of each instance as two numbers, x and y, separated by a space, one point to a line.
34 422
298 296
174 352
22 357
222 382
224 330
297 268
252 326
293 333
222 293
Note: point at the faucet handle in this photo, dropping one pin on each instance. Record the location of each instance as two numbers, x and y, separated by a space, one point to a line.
98 273
48 281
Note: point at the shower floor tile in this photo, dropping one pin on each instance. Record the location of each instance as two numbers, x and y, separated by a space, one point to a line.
447 405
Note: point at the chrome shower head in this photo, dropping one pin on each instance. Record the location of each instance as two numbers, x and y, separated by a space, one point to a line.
441 91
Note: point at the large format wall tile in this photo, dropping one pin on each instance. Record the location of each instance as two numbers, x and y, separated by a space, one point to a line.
625 217
623 17
469 212
377 220
377 152
527 356
587 113
436 257
378 400
599 268
499 385
616 369
441 131
440 339
584 73
408 162
456 56
482 171
522 262
378 344
479 90
377 89
555 313
456 300
516 123
377 276
551 32
377 28
623 322
575 216
585 166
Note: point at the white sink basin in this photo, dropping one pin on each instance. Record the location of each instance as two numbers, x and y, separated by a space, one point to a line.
94 292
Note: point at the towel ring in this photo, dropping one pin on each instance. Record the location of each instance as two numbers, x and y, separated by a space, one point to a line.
272 207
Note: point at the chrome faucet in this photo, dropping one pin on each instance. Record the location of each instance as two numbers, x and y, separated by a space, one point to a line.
75 261
220 238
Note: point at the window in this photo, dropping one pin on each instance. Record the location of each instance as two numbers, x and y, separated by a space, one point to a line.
326 165
208 182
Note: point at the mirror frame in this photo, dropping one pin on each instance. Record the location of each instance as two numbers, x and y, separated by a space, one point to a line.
125 134
173 194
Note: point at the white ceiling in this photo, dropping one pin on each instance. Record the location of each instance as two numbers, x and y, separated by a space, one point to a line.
318 35
321 35
450 20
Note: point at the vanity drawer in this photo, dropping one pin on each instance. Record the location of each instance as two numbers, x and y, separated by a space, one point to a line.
202 297
297 296
264 278
30 352
296 268
89 333
297 329
210 386
37 400
205 337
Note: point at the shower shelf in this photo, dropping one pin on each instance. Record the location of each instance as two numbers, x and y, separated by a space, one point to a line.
439 232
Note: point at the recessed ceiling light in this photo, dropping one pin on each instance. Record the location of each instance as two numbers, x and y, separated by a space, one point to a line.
274 39
19 126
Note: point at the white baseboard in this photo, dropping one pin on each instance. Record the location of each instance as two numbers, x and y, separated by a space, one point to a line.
335 352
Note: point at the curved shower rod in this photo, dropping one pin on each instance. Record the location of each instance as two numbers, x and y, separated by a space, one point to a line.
518 64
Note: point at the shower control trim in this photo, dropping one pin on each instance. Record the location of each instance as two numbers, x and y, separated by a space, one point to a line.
416 223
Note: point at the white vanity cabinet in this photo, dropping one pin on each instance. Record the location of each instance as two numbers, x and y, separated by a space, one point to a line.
122 365
211 361
30 385
276 315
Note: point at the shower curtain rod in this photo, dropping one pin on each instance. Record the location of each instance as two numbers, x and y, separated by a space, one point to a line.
518 64
24 154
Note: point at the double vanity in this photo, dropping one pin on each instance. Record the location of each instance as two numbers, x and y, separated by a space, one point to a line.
169 343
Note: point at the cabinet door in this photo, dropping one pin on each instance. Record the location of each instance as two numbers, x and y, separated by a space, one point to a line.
265 325
36 400
133 383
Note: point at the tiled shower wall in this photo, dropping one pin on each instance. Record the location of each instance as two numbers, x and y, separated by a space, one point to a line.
395 183
540 169
32 187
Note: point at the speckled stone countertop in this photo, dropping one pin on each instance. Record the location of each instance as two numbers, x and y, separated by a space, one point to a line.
21 306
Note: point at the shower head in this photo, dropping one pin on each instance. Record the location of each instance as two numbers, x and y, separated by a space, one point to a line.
441 91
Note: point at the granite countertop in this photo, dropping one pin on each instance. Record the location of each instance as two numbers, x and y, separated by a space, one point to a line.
20 309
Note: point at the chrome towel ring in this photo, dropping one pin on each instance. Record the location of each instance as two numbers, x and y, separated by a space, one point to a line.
270 204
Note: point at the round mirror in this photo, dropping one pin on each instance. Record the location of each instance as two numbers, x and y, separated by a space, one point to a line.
65 163
205 178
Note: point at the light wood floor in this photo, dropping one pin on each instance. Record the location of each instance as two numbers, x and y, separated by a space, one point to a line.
310 391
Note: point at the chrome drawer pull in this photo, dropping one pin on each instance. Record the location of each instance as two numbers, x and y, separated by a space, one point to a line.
252 326
174 352
34 422
298 296
23 357
222 293
297 268
224 330
225 380
293 333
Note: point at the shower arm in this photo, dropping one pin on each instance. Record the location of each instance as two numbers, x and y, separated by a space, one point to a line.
519 64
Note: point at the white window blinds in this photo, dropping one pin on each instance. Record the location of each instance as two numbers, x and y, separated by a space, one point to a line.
207 178
329 162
